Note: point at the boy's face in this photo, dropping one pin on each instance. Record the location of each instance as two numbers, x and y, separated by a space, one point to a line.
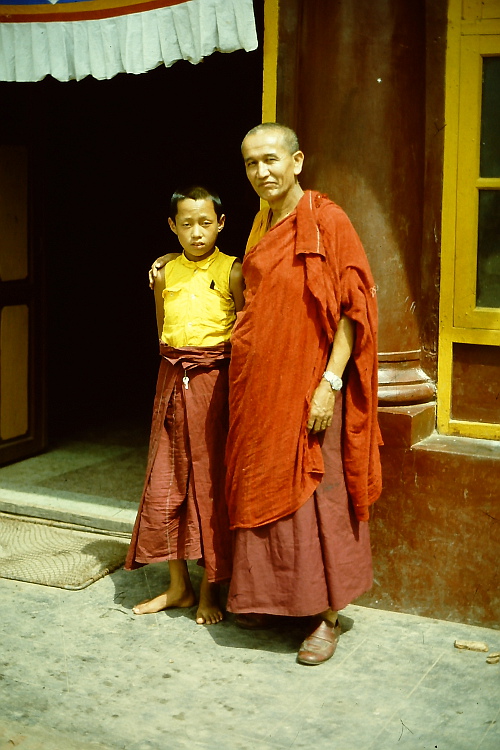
196 225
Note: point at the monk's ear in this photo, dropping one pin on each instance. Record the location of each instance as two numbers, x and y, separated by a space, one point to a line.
172 226
298 161
220 222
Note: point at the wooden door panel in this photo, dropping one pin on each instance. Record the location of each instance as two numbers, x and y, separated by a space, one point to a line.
22 422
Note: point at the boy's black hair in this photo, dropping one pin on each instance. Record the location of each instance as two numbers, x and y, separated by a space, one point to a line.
196 193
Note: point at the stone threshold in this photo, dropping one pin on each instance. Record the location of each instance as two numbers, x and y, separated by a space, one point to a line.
88 511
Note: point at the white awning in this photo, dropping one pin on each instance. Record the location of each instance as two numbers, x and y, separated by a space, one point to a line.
41 40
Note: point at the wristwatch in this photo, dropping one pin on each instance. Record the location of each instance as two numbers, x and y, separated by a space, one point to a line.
334 380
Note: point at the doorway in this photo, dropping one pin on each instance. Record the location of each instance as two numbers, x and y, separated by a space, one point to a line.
108 155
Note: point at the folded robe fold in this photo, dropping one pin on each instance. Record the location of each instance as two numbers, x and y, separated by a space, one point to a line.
301 276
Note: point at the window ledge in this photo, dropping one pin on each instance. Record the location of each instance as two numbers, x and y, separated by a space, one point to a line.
464 446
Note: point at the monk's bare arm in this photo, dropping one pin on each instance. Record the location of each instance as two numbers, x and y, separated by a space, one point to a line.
323 400
237 285
343 344
157 265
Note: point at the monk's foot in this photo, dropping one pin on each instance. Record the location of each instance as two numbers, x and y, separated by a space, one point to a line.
169 599
330 616
209 609
320 645
253 621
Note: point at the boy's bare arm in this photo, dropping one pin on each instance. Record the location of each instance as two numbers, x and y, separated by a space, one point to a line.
158 287
158 264
237 285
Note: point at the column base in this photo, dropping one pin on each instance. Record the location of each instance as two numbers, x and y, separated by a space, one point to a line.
403 426
402 380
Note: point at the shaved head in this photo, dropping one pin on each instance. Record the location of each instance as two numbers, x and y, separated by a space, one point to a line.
290 140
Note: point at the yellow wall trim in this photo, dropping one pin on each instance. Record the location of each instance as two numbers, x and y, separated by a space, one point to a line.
270 77
472 26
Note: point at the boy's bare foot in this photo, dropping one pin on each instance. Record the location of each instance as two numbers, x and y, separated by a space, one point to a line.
209 609
166 600
179 594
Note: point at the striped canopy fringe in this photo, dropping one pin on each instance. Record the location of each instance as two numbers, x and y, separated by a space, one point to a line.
36 41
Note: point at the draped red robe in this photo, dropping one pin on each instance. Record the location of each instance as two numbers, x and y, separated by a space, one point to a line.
301 276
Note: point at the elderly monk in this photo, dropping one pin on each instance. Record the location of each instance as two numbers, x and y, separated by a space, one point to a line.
302 452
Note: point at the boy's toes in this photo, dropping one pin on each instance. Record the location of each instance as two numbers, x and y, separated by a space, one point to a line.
210 617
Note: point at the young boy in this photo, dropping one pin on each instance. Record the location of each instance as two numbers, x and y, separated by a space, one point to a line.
183 514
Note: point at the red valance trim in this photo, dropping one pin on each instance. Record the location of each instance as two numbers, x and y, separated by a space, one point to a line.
87 11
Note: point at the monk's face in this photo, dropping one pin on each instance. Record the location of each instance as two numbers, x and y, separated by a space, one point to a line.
271 168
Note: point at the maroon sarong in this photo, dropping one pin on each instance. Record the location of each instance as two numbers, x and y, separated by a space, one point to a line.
183 513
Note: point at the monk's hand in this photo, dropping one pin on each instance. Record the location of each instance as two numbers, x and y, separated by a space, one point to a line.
153 271
322 406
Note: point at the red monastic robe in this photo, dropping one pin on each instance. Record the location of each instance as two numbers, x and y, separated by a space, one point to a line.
301 276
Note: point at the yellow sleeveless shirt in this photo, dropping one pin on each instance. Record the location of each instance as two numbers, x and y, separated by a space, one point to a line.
197 302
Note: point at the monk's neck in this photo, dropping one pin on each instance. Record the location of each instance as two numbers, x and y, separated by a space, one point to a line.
281 209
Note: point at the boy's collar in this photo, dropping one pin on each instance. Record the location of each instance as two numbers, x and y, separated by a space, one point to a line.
203 264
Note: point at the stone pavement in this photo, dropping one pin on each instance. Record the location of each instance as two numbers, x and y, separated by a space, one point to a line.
78 670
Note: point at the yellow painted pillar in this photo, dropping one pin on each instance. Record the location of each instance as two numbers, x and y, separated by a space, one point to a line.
270 76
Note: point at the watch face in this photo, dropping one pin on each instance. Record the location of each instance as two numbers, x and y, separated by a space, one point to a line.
334 380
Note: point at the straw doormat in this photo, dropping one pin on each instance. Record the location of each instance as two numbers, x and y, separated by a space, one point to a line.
41 552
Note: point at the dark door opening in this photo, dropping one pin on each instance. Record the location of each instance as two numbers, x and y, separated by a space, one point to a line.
110 153
122 148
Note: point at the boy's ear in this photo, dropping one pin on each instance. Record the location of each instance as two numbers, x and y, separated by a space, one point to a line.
172 226
221 222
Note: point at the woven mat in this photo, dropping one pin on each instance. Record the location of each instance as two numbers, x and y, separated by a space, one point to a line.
38 552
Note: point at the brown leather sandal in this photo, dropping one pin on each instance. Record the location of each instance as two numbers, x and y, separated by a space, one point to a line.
321 644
